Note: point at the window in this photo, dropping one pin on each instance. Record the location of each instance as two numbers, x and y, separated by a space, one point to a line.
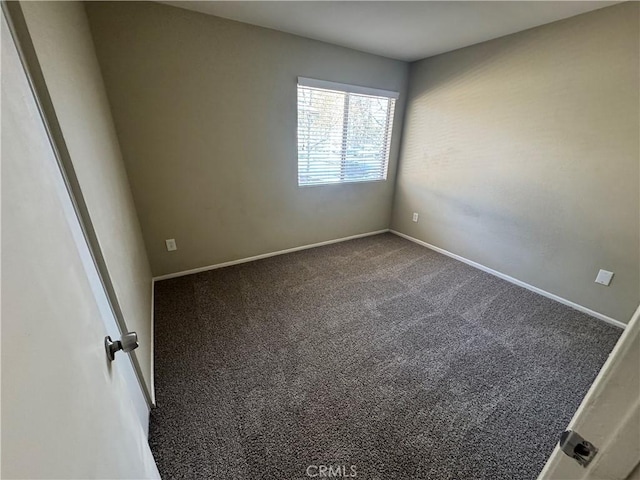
344 132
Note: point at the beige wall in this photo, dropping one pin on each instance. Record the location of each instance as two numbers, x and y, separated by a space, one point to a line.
205 109
522 154
61 37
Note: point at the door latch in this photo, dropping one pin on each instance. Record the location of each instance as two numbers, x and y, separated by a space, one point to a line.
127 343
577 447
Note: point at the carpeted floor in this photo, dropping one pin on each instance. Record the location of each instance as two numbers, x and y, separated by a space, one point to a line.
376 354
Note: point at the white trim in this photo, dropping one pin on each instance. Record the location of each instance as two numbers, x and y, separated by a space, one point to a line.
515 281
345 87
265 255
152 345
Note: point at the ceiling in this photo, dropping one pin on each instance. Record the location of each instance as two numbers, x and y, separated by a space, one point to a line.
396 29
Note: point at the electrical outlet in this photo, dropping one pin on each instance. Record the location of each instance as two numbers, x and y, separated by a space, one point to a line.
171 244
604 277
415 217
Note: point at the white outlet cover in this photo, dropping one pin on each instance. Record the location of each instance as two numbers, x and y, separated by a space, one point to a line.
415 217
171 244
604 277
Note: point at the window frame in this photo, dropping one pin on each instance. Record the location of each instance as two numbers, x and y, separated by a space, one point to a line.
344 88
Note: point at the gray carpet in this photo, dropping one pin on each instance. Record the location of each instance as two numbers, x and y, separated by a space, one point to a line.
374 353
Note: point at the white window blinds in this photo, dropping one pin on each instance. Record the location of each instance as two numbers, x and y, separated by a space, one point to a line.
344 132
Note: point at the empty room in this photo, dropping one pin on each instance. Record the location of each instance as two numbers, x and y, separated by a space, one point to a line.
291 240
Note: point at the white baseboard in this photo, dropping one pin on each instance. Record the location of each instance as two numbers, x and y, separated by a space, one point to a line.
265 255
515 281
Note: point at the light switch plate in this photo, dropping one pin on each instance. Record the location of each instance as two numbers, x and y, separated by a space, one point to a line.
604 277
171 244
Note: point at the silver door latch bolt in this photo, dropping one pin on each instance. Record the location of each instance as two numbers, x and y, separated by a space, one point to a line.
577 447
127 343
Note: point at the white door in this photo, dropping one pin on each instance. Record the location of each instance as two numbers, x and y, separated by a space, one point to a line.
66 411
609 417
